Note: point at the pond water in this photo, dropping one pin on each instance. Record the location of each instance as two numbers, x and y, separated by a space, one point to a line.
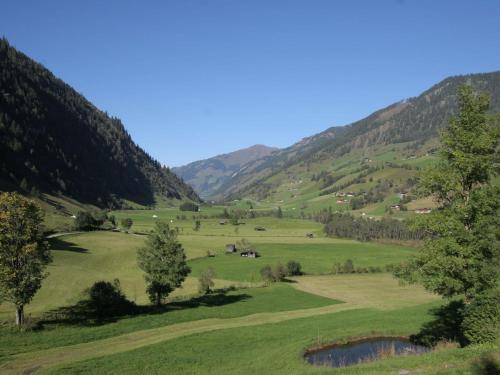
363 351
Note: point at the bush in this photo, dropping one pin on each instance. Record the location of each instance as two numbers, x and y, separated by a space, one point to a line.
84 221
293 268
205 281
267 274
126 223
348 266
279 272
107 299
481 322
189 206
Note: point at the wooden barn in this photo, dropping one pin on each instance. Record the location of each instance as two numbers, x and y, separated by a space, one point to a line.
249 254
231 248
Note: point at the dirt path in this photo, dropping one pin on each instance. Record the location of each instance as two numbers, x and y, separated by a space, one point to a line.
32 362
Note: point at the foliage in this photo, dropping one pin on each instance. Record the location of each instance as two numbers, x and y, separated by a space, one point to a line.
189 206
244 244
267 274
362 229
197 225
84 220
279 272
279 213
126 223
348 267
293 268
460 256
107 299
273 274
205 281
55 140
481 321
23 253
164 262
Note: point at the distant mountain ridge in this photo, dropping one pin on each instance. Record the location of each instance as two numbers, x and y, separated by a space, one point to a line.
416 120
207 176
54 140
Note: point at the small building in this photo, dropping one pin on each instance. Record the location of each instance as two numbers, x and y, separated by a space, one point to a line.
222 222
231 248
423 211
309 235
396 207
403 195
260 228
350 194
249 254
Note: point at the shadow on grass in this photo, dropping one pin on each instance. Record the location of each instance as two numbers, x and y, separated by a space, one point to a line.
486 365
58 244
84 314
446 326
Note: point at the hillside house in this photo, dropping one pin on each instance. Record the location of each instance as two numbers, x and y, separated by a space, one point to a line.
403 195
231 248
249 254
396 207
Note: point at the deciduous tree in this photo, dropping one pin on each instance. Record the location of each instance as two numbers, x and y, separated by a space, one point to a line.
164 262
23 253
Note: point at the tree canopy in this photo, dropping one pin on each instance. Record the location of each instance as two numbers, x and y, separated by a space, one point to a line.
164 262
460 256
23 253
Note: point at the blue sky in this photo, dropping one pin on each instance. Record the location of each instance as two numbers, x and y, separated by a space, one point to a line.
194 78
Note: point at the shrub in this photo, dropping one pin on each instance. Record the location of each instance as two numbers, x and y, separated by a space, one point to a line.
293 268
84 221
279 272
348 266
267 274
205 281
107 299
126 223
481 321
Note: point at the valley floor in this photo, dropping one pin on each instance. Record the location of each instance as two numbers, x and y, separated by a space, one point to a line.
248 329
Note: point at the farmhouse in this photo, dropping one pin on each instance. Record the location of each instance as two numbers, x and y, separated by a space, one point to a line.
231 248
249 254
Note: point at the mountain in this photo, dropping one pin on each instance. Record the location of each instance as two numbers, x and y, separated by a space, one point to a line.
412 123
207 176
54 140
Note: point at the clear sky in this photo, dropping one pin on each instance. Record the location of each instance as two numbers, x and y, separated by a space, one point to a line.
195 78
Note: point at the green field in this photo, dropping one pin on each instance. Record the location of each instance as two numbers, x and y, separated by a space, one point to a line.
248 329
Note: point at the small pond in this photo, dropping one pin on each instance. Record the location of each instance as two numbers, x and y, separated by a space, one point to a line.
360 351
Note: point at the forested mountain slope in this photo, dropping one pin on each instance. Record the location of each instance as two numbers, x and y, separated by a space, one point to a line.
206 176
54 140
411 122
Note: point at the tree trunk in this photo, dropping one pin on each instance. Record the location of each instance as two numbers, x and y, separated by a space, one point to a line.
19 315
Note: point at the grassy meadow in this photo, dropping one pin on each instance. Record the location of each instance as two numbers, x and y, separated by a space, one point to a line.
248 328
